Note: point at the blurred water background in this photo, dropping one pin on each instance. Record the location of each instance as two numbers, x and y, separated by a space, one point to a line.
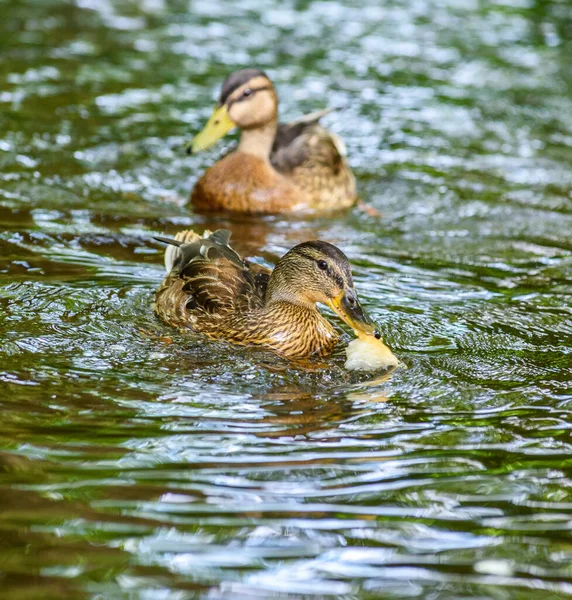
140 463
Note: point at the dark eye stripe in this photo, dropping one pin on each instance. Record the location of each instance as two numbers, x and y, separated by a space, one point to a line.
253 91
329 271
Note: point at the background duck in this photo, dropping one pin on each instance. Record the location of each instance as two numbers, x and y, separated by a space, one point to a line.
211 290
276 168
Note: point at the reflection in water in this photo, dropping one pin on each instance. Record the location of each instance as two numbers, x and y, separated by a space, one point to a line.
137 460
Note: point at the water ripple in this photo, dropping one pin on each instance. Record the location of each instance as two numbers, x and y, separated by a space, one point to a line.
139 461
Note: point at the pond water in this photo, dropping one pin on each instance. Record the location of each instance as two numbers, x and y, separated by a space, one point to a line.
137 462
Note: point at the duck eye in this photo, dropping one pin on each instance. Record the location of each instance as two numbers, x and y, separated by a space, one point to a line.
377 334
247 92
323 265
351 300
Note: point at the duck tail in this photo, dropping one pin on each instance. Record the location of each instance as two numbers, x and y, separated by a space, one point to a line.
172 252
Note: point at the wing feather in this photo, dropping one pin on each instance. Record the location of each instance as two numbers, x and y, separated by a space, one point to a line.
208 281
305 141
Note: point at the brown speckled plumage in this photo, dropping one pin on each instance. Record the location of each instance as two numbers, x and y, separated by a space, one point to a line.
294 167
211 290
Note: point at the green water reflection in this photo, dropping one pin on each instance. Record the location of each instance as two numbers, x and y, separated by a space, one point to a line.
131 467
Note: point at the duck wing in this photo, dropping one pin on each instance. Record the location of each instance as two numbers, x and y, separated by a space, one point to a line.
306 141
207 281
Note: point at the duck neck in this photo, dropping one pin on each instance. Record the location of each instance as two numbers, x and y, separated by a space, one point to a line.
298 329
303 316
259 141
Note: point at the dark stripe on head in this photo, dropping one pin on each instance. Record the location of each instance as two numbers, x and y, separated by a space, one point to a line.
236 79
327 250
324 248
252 92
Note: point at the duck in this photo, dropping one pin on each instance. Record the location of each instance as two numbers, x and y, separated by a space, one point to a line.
276 168
209 289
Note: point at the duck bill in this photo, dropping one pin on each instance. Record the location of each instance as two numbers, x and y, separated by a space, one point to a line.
217 126
347 307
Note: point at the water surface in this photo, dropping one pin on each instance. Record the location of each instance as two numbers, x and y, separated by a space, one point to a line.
137 462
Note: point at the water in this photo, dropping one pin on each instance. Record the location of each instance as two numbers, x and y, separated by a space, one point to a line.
140 463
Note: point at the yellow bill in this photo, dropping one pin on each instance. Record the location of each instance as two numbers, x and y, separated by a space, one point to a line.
347 307
217 126
367 352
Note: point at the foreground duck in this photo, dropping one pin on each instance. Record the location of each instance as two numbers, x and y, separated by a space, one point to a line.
297 167
211 290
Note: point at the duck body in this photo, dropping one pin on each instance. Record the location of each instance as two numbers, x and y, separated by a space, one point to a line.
209 289
244 183
294 167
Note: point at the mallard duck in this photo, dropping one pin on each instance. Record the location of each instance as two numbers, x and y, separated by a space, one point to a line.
210 289
297 167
